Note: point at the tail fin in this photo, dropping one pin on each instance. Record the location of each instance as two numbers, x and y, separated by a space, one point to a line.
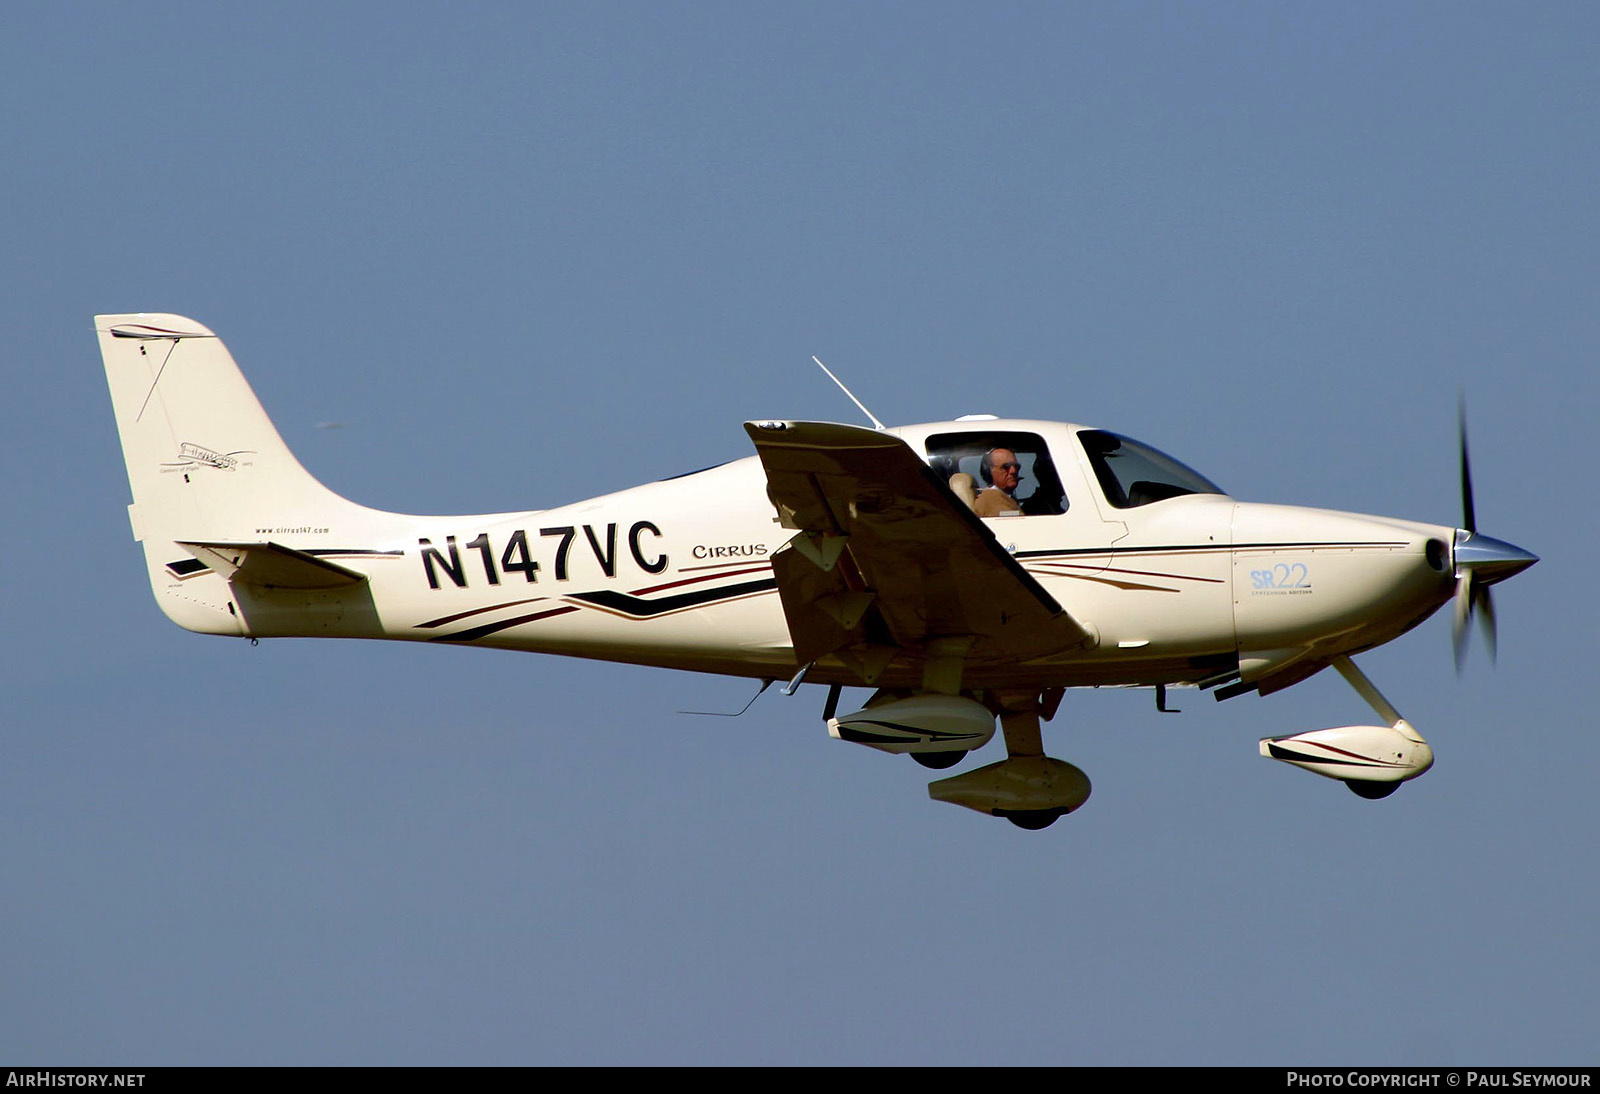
205 462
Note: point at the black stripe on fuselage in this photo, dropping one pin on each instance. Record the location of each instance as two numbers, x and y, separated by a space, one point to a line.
640 608
472 634
624 603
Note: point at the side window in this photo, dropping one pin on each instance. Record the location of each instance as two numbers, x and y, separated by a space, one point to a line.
1038 491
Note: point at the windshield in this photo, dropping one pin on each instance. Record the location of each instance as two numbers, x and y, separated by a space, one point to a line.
1134 474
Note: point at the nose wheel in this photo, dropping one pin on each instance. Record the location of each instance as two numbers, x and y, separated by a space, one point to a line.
1371 791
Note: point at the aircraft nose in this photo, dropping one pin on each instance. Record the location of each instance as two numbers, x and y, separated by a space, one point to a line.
1487 559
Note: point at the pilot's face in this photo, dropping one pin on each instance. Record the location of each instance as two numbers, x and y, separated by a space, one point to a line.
1003 469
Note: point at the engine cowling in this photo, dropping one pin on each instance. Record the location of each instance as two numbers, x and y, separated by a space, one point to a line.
918 723
1377 754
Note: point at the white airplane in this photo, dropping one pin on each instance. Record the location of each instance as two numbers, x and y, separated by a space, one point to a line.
837 555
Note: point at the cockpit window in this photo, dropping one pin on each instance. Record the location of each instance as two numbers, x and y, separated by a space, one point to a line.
1134 474
962 459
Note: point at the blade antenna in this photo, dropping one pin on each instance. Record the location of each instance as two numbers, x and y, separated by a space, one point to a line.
874 418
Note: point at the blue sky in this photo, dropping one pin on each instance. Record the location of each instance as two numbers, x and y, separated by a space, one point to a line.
526 254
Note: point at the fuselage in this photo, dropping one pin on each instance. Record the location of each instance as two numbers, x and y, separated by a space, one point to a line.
1175 585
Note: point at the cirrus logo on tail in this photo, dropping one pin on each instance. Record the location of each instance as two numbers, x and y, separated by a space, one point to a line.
198 455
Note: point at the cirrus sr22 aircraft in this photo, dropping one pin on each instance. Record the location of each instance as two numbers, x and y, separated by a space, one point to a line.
836 555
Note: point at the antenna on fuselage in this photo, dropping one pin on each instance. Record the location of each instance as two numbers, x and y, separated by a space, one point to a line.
875 423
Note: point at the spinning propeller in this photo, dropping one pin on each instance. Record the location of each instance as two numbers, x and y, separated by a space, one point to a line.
1480 562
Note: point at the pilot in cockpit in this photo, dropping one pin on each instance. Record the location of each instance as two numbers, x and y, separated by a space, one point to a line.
1002 473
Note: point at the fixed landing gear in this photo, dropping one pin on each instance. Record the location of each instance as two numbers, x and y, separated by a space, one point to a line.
940 725
1027 788
1032 819
1371 791
1371 760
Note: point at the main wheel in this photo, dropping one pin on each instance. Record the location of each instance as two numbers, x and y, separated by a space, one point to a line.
938 760
1032 819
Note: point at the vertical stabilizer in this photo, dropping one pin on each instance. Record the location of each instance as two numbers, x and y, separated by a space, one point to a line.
205 462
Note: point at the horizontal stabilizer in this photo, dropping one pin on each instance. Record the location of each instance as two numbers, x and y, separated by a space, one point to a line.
272 566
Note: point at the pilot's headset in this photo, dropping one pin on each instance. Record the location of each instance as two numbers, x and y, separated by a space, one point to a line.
986 467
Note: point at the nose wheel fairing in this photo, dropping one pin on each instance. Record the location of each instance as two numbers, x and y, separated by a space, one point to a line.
1371 760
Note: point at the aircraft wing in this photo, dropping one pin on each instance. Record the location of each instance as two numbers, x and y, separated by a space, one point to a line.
887 557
